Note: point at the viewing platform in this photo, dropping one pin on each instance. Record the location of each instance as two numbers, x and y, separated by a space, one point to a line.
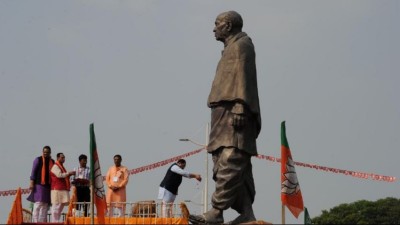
141 212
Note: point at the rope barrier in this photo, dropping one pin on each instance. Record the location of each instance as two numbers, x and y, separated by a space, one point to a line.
334 170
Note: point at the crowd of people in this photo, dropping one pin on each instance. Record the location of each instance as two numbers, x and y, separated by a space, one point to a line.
51 183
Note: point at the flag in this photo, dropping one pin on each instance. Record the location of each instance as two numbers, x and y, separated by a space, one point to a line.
16 216
97 179
290 189
307 219
71 205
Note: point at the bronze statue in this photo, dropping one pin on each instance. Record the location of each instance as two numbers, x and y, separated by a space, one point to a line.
235 123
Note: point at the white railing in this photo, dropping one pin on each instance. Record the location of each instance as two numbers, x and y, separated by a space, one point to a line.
141 209
135 209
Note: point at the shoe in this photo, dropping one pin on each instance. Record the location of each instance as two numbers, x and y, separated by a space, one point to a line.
243 218
213 216
197 219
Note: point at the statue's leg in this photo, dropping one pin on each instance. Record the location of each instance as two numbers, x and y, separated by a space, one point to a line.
244 205
227 173
229 167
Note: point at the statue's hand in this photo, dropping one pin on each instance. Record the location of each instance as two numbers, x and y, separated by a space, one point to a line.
238 121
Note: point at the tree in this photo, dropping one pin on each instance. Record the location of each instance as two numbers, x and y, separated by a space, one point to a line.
382 211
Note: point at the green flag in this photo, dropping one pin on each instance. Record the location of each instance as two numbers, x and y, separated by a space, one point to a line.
97 178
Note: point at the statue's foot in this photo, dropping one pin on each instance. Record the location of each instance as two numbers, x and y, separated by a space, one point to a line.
243 218
197 219
213 216
201 219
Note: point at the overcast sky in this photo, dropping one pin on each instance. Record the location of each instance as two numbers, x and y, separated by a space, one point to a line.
141 71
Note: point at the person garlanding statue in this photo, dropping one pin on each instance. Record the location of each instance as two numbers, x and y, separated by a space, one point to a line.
170 184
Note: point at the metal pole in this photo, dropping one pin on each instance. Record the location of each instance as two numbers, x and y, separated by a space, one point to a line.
206 180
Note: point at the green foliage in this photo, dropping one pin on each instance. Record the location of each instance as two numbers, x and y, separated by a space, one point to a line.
382 211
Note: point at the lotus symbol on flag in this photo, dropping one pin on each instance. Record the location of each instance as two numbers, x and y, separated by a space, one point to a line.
290 185
99 187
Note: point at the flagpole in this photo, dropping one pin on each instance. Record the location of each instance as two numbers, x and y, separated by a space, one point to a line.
283 214
91 203
91 146
307 219
206 180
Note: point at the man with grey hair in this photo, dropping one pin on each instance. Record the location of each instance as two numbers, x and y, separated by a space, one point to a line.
235 123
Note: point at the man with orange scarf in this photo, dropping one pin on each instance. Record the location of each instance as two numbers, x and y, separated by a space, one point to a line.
40 185
60 187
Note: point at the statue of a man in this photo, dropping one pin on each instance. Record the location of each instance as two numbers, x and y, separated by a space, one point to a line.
235 123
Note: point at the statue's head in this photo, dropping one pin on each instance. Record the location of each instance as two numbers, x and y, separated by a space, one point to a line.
227 24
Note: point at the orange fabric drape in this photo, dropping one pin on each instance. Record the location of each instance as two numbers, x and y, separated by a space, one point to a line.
44 168
128 220
15 216
71 202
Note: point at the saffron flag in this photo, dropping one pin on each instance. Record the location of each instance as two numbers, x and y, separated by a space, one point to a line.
97 179
16 216
290 189
71 205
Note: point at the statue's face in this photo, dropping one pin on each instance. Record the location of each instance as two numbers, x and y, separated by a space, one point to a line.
221 29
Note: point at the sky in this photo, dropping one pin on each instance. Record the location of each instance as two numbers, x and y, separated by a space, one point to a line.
141 71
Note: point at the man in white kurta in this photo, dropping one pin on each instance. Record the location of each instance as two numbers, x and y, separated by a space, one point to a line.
60 187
